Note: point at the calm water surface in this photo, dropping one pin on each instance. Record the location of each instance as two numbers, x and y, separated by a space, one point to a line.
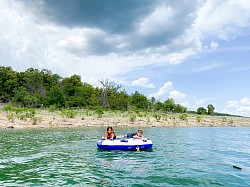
180 157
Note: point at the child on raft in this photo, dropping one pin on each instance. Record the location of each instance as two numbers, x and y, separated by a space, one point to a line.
137 135
110 134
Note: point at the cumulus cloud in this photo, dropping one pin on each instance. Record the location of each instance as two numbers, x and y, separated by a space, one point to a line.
170 30
214 45
223 19
43 40
168 91
124 28
21 44
131 32
176 95
163 90
111 16
158 22
88 42
239 107
142 82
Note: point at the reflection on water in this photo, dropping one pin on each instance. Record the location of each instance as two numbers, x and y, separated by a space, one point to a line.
180 157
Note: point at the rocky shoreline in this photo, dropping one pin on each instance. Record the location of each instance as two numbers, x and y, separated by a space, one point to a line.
46 119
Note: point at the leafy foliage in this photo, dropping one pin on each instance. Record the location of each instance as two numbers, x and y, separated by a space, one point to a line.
183 116
68 113
201 110
34 89
99 112
157 117
210 109
21 113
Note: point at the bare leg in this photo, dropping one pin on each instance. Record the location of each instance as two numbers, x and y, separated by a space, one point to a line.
137 148
119 137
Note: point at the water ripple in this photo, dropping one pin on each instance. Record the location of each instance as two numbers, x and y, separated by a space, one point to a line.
180 157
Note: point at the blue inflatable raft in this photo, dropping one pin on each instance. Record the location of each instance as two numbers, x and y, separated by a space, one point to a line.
129 144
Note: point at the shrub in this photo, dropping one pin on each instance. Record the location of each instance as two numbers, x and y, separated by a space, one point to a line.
9 108
68 113
21 110
199 119
35 120
183 117
99 112
52 108
21 117
11 117
157 117
30 113
132 118
201 110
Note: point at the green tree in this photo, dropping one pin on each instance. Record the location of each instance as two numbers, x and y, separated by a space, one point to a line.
84 96
158 105
139 101
34 82
201 110
210 109
8 83
71 84
152 103
109 92
19 95
35 88
50 79
119 100
179 109
55 96
169 105
33 100
72 87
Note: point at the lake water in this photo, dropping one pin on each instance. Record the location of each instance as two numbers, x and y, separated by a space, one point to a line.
180 157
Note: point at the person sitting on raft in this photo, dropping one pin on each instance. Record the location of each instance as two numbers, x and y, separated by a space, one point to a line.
137 135
110 134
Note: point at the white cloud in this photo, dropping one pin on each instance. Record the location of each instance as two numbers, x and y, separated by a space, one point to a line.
94 53
90 42
161 20
199 102
208 67
245 101
87 52
176 95
241 107
167 91
22 46
26 44
48 28
142 82
73 42
177 58
223 19
214 45
164 90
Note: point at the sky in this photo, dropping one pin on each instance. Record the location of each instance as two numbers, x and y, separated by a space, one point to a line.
194 51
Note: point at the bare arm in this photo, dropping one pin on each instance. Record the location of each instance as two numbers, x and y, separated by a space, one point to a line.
138 137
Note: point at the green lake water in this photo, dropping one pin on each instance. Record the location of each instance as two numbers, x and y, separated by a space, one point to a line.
180 157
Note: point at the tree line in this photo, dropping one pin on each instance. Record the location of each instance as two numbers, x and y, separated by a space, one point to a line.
35 89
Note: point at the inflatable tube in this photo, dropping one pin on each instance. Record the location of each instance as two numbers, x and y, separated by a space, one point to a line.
129 144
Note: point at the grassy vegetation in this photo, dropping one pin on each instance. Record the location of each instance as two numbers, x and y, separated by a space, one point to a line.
99 116
21 113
